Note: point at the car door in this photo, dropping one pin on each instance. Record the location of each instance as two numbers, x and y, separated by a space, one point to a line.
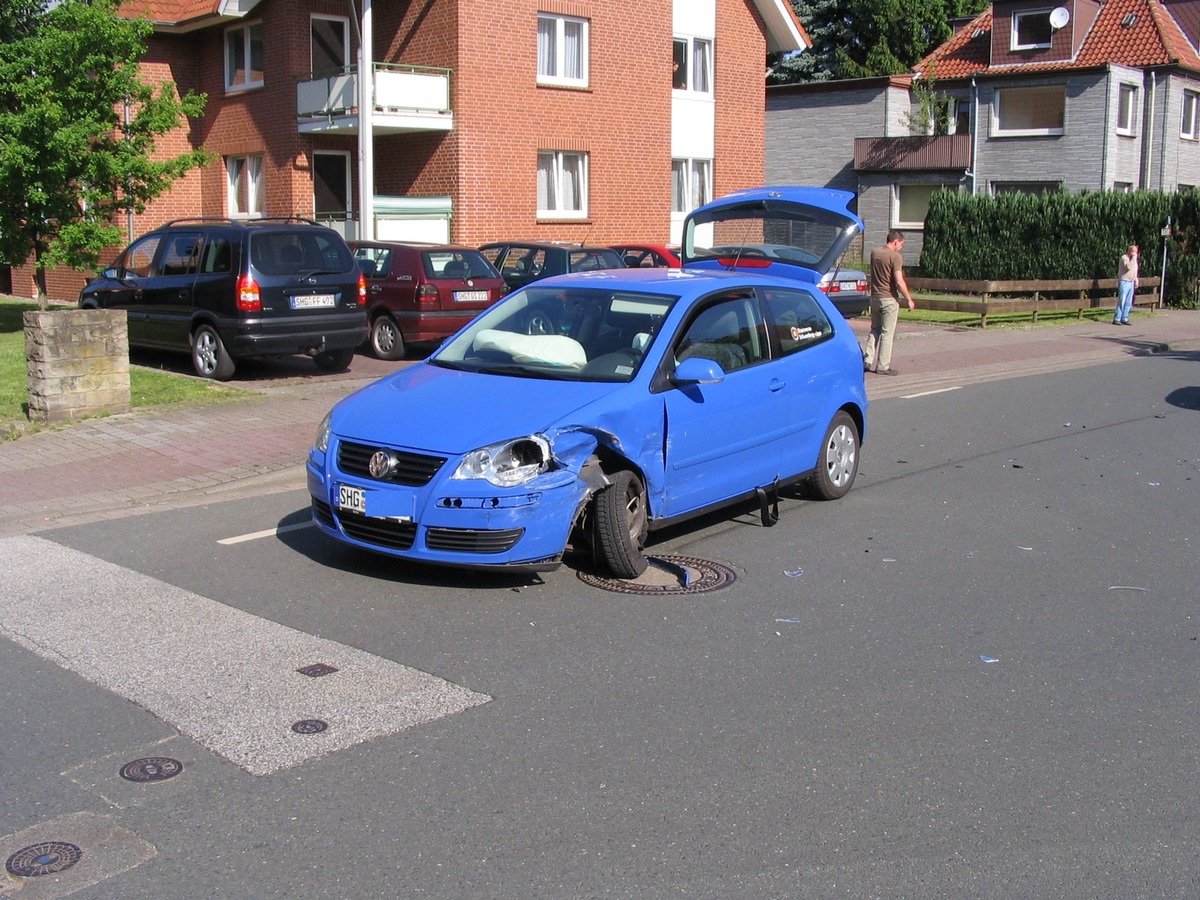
723 439
812 368
126 289
167 295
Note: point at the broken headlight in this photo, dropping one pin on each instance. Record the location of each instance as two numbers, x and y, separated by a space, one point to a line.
508 463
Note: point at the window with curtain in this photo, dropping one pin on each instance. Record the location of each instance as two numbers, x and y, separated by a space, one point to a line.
244 57
562 50
562 184
691 184
245 186
692 65
1030 110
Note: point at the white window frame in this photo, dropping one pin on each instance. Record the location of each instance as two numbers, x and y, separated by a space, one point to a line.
347 48
998 111
691 184
695 84
553 173
911 224
248 31
1127 109
1014 42
249 167
552 62
1189 120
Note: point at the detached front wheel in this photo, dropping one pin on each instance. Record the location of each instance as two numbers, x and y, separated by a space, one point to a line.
837 463
622 521
210 359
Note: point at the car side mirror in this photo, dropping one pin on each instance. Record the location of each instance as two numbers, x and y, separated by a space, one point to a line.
698 370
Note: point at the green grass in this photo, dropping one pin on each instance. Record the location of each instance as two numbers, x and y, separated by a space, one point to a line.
148 387
1002 320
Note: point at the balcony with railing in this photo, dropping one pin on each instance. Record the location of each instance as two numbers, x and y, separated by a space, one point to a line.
913 153
407 99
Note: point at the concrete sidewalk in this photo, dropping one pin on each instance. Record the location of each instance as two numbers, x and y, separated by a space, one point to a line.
173 457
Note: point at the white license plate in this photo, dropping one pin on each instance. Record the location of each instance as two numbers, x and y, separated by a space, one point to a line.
352 498
314 301
848 285
470 296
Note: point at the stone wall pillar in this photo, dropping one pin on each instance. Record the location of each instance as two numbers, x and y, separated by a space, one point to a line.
77 362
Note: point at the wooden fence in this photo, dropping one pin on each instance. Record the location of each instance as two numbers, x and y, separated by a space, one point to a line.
984 297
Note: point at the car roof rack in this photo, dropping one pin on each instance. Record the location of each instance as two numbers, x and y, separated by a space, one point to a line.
226 220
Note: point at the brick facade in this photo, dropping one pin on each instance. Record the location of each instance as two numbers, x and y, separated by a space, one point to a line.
487 164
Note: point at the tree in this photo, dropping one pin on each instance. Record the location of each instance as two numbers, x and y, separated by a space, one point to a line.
77 131
861 38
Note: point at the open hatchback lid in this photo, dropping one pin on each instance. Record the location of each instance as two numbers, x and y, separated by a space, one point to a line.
797 232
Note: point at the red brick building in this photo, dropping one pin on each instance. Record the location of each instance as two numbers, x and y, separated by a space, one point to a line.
569 120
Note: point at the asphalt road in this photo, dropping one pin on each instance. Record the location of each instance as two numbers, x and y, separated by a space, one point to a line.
974 676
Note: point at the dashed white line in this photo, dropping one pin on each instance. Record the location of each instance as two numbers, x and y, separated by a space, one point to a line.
957 387
267 532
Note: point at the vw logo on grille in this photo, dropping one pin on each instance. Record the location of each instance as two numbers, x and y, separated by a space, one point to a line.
381 464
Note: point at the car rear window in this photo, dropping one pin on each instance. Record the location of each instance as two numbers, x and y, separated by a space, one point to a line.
299 252
457 264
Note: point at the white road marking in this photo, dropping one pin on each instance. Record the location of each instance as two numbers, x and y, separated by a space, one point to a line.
221 676
266 532
957 387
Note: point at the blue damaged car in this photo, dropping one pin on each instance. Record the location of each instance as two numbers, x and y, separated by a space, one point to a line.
585 410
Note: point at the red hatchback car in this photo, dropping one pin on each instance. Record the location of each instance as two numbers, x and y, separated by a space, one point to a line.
422 293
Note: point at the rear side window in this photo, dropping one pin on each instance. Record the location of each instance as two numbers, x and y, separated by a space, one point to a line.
796 319
586 261
217 256
300 252
374 262
456 264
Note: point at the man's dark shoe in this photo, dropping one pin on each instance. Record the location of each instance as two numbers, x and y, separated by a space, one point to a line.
888 371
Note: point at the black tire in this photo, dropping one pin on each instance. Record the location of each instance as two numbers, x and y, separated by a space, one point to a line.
622 520
334 360
210 359
837 461
386 340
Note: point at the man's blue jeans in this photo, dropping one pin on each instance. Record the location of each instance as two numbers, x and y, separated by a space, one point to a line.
1124 301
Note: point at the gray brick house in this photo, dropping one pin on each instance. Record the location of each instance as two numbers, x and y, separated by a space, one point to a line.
1031 97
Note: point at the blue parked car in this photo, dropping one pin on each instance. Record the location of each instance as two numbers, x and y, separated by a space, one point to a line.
585 410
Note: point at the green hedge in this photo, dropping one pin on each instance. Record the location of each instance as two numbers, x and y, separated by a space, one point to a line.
1063 235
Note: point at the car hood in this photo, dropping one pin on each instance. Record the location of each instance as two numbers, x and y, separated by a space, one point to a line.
427 407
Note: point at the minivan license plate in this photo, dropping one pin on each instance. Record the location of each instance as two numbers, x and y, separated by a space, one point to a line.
352 498
314 301
470 296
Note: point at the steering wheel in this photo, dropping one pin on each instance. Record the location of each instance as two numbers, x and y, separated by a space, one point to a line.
539 322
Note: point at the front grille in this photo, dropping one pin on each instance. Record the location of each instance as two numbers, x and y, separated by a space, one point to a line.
381 532
468 540
323 513
412 469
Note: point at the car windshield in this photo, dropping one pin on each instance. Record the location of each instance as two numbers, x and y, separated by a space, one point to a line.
791 233
562 332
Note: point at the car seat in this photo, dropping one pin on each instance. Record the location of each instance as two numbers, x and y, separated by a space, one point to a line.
456 268
713 336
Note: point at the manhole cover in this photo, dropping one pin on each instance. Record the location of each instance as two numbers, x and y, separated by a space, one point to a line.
668 576
316 670
152 768
310 726
43 859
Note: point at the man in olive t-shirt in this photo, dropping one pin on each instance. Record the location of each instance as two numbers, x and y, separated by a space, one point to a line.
886 283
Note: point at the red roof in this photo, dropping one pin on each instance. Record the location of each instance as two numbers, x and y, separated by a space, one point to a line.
1153 38
171 12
